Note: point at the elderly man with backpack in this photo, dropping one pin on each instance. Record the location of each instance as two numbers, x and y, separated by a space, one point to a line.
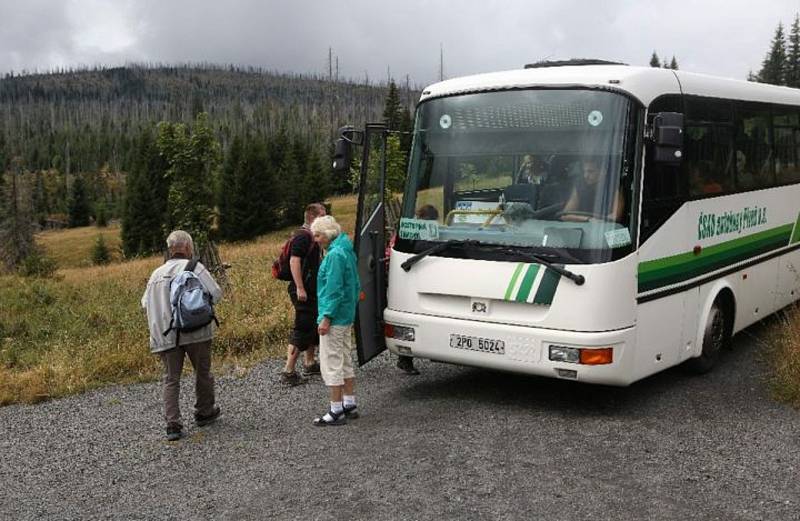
298 264
179 303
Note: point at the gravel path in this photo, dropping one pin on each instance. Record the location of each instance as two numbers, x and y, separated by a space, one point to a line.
453 443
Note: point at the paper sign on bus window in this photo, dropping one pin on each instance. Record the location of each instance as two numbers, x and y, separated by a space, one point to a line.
618 238
419 229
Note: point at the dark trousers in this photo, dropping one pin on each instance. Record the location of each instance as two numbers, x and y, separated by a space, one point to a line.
200 357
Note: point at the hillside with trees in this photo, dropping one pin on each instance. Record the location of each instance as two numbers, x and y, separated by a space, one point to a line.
104 143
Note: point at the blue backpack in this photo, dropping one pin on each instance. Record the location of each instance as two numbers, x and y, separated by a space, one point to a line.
192 308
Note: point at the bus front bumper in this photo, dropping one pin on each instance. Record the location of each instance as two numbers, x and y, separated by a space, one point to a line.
518 349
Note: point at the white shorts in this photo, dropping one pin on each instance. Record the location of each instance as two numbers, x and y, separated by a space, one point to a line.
335 358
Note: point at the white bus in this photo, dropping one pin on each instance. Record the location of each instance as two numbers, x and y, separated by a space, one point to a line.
598 222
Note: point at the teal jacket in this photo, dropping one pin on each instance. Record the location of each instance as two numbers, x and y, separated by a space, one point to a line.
337 283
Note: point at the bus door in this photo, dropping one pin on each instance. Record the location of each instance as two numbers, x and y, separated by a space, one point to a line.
370 245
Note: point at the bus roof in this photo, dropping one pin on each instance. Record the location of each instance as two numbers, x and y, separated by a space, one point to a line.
643 83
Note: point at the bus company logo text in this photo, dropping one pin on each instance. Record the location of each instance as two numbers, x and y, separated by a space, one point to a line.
711 224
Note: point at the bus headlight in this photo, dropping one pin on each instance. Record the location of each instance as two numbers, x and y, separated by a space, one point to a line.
403 333
582 355
571 355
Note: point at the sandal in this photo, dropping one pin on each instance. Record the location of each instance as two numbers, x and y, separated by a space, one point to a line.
350 412
336 419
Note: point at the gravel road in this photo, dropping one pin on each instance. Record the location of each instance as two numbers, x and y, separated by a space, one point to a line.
452 443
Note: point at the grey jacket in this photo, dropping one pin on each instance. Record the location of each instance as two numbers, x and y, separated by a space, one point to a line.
159 310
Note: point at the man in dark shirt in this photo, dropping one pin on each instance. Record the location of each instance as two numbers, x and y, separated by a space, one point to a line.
304 263
594 196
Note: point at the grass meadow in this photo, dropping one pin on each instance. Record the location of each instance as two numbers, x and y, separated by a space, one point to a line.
85 328
783 353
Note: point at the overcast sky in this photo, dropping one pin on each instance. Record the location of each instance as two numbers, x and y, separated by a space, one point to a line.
722 37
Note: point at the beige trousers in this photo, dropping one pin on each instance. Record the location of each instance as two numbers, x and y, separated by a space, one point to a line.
335 359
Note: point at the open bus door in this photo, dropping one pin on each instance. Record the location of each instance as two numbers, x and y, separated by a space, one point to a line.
370 240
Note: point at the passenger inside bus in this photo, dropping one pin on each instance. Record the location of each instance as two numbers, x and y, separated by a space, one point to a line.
528 173
427 212
586 199
703 183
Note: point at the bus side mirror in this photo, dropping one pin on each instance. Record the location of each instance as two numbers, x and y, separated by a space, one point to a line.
668 137
343 149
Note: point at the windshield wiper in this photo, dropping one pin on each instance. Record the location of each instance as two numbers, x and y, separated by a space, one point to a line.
436 249
574 277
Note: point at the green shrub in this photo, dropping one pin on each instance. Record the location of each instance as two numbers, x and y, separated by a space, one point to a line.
37 264
100 253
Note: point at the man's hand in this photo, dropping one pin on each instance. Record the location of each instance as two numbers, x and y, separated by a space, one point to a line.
324 326
302 296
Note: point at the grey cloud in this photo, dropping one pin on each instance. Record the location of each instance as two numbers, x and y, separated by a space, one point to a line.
718 37
34 34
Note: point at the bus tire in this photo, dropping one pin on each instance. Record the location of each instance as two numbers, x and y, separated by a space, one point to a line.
715 337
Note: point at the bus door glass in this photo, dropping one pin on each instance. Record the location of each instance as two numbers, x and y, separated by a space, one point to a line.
370 244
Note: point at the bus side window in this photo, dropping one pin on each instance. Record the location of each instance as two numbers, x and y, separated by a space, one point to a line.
709 155
664 188
754 162
708 158
787 144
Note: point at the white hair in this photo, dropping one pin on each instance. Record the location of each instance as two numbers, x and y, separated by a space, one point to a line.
326 225
180 238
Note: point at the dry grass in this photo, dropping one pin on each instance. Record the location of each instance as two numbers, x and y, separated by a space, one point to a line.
85 328
784 357
72 248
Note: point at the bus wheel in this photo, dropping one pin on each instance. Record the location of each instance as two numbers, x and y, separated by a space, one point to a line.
715 338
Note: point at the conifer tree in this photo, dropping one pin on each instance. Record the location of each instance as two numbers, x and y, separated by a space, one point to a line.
673 64
16 233
395 166
144 207
101 215
2 176
291 176
40 202
774 64
392 110
228 190
793 55
258 196
318 176
192 158
79 208
100 254
654 61
278 146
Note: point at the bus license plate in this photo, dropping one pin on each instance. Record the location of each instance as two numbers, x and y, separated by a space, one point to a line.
474 343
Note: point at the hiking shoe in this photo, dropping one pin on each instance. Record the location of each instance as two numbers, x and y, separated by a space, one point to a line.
351 412
292 379
406 364
203 420
174 432
336 419
309 370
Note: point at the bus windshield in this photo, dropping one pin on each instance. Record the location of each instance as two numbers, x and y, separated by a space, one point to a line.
548 171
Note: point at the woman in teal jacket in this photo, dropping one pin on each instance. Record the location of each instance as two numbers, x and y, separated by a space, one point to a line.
337 297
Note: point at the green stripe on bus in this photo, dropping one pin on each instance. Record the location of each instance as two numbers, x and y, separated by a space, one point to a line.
547 288
513 281
678 268
796 234
527 283
708 263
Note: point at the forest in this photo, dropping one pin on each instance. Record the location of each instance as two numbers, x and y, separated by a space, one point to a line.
250 146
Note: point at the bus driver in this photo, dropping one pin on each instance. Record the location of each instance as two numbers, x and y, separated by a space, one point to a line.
587 201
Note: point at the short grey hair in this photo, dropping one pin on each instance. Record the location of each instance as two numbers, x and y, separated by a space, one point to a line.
327 226
179 238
